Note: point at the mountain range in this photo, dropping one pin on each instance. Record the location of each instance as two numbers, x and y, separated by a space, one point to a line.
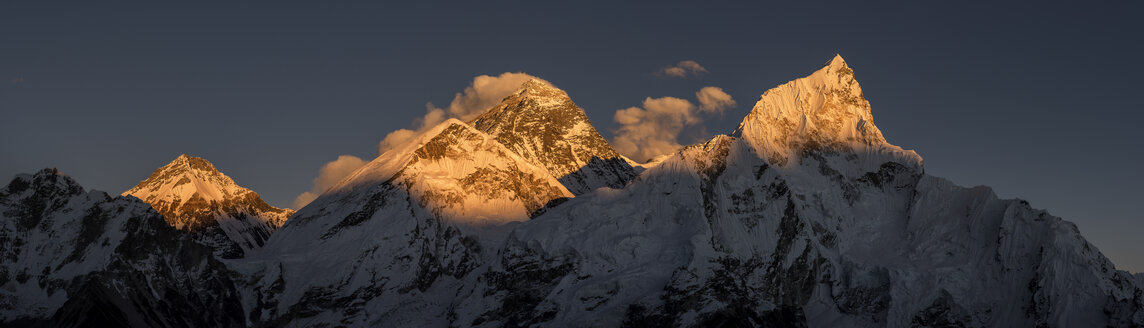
526 216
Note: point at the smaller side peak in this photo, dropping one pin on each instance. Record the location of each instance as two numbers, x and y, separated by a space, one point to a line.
48 179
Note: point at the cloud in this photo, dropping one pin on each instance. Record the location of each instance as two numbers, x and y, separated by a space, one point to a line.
654 129
682 69
714 100
328 175
484 92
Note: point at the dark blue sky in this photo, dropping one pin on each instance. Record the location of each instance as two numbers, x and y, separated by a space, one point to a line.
1038 100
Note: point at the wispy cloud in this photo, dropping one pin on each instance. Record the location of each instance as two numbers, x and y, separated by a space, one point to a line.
682 69
328 176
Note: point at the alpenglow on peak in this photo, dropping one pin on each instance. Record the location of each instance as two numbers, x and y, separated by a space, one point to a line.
540 123
824 110
193 195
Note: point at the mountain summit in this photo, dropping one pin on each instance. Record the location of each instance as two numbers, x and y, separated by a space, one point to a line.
540 123
825 110
194 196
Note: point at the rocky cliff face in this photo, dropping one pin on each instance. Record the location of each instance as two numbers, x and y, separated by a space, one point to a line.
194 196
76 258
541 124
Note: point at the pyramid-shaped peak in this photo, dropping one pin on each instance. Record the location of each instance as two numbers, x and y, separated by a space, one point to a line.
186 161
539 89
180 172
193 195
823 110
541 124
837 62
537 83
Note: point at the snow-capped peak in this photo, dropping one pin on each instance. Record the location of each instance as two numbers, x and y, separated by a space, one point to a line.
184 178
540 123
837 62
825 110
458 173
537 85
193 195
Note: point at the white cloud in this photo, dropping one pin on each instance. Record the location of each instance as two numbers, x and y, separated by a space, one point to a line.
682 69
654 129
303 199
328 175
714 100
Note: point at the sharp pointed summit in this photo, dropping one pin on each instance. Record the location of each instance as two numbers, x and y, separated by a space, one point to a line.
837 62
825 110
192 195
541 123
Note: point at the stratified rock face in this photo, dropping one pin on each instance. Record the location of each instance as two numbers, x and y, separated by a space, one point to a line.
194 196
541 123
85 259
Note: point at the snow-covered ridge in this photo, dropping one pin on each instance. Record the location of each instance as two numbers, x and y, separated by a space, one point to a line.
193 195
